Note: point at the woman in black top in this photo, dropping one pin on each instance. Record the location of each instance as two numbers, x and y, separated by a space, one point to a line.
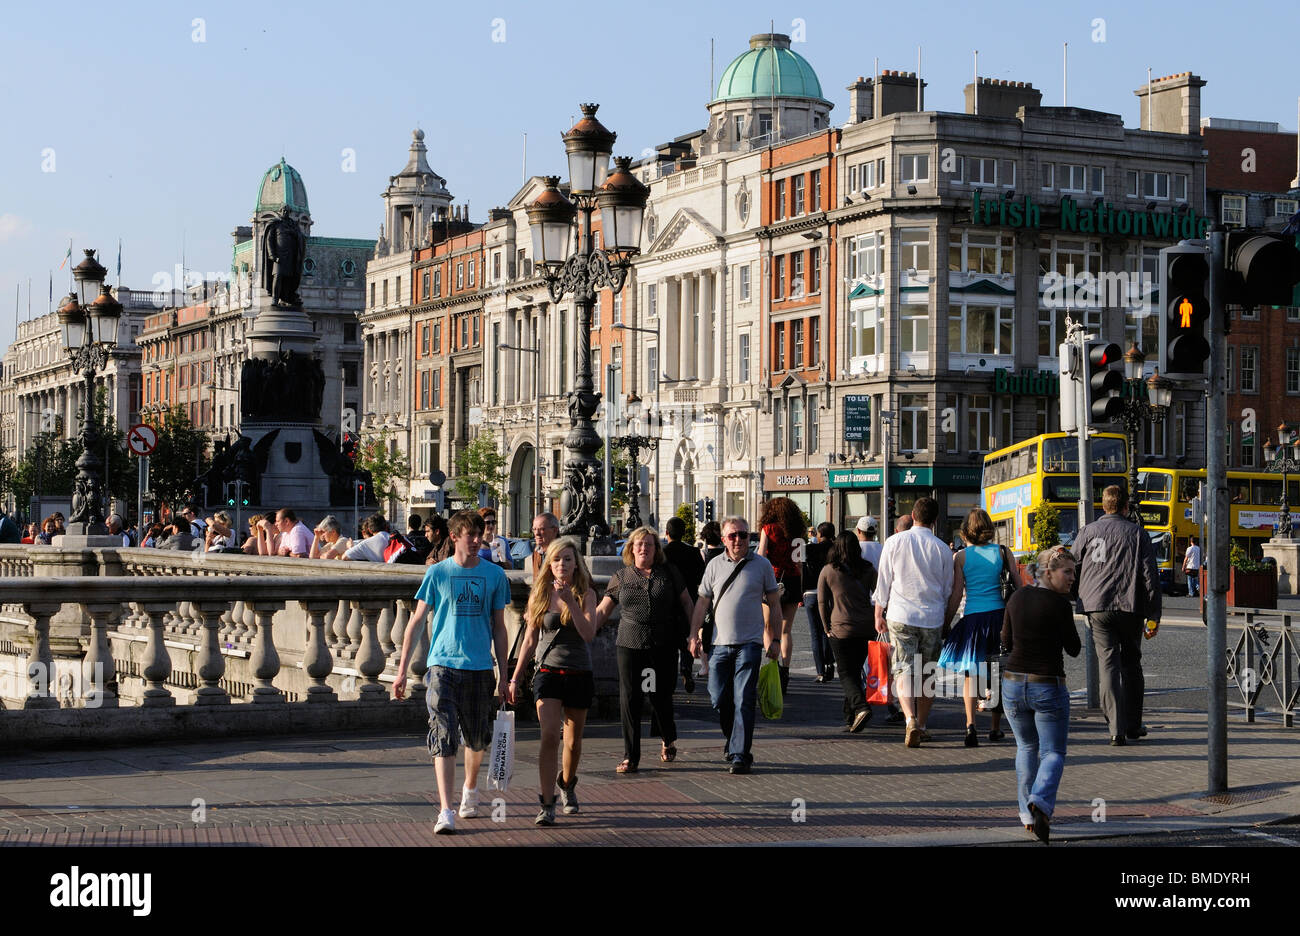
1037 628
656 611
844 589
561 621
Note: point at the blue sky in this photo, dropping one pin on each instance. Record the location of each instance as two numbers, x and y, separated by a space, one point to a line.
161 140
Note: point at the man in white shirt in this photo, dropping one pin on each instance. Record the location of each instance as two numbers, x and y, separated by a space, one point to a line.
295 537
915 579
1192 568
371 549
866 530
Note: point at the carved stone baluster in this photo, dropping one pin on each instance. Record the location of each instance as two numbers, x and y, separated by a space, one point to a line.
339 627
419 665
370 658
212 663
98 675
318 662
400 620
250 626
354 634
385 629
228 623
41 678
158 662
265 658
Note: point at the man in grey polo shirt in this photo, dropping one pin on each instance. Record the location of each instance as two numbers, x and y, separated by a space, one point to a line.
737 636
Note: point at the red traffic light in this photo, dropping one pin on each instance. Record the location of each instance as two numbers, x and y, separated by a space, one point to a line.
1104 383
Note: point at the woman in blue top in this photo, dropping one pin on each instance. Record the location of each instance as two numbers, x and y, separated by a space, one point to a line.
973 642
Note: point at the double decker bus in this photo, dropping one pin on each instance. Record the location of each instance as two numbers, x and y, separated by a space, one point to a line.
1046 468
1165 506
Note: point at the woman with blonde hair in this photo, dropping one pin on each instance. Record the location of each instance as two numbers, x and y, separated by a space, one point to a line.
973 641
656 613
561 622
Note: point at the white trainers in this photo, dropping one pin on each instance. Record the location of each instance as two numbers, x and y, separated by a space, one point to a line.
468 803
446 824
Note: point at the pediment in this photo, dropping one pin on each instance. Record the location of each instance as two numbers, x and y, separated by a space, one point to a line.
686 229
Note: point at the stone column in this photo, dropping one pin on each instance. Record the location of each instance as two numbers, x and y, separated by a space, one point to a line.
158 663
707 286
212 664
370 658
41 679
317 660
99 678
686 329
265 659
672 322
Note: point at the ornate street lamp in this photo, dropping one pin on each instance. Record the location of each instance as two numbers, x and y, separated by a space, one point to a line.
621 200
634 444
1138 412
88 320
1281 458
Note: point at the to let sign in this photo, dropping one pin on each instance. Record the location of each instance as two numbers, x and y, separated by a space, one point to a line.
857 418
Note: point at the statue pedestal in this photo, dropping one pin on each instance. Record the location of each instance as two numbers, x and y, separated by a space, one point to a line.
293 476
1286 553
80 541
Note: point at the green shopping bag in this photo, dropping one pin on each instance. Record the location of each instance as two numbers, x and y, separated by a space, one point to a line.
769 690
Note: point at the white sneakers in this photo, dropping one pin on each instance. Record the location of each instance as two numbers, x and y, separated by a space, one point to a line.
446 824
468 803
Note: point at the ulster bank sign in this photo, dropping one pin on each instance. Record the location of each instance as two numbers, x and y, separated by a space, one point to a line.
1101 217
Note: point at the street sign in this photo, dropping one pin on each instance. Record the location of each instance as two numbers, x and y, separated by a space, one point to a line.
142 439
857 418
437 478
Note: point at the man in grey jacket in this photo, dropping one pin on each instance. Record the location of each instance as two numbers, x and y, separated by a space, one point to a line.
1118 587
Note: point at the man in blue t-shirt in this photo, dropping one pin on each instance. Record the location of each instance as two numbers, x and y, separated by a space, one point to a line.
468 596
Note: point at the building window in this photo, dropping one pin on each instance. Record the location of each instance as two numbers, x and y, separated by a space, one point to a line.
1097 180
979 423
1180 430
496 266
1285 207
780 200
913 424
817 190
1073 177
778 346
385 292
652 365
980 329
972 252
796 274
430 449
798 344
864 329
1131 183
744 282
1247 450
1069 258
1048 172
764 125
1233 210
460 275
372 295
437 283
914 167
743 376
424 389
1293 370
1153 440
797 190
979 170
1051 327
1180 187
425 331
778 427
779 292
618 309
424 286
914 250
595 312
914 328
1249 362
471 273
1155 185
815 270
814 341
474 319
866 255
464 332
796 424
814 439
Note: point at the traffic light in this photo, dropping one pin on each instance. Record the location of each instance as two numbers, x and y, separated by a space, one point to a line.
708 509
1102 382
1185 317
231 488
1068 355
699 510
1262 269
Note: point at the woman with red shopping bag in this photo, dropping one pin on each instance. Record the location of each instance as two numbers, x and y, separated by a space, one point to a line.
844 599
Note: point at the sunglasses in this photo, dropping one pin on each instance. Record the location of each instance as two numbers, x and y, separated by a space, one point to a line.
737 535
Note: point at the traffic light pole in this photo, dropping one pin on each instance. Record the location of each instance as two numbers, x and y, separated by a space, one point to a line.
1216 533
1092 675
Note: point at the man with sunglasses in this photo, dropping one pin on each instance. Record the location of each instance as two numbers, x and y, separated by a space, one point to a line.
737 583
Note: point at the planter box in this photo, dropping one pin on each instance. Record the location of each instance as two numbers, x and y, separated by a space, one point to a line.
1246 589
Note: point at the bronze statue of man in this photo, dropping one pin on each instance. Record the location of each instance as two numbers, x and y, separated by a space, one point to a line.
283 250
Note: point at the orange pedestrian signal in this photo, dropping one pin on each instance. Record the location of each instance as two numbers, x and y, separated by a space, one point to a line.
1185 313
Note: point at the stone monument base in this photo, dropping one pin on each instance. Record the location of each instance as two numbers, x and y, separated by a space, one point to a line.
1286 553
293 477
80 541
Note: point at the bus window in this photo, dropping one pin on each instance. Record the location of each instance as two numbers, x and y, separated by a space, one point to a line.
1161 543
1032 453
1060 456
1238 491
1069 526
1154 486
1108 455
1266 492
1188 487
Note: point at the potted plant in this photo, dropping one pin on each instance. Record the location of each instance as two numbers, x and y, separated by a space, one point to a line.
1251 583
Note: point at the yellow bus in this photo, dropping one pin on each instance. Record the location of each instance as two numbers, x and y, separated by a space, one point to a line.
1165 506
1046 468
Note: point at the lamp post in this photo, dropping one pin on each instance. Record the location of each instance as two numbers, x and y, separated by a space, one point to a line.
621 200
536 352
634 444
1282 459
1137 412
659 413
88 319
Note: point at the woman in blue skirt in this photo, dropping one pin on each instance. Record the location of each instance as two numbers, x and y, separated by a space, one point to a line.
973 642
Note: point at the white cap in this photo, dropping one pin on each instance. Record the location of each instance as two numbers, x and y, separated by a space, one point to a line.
866 523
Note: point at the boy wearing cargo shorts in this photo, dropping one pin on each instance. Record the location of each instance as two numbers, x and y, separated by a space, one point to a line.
468 597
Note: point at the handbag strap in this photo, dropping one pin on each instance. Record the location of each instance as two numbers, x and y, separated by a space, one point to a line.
731 578
1006 567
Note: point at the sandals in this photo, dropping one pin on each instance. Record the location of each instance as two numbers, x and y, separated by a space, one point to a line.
668 754
625 767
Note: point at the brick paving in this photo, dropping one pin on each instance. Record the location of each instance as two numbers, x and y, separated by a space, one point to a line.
812 783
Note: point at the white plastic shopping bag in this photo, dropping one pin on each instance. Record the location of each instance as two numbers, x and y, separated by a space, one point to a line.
502 751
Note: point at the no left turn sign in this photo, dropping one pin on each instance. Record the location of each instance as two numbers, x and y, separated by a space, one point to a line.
142 439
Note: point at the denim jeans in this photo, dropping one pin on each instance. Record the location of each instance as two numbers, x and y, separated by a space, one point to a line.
1040 718
1194 583
733 680
821 646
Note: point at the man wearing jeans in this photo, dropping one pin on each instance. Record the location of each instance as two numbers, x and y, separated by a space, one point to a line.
737 636
1192 568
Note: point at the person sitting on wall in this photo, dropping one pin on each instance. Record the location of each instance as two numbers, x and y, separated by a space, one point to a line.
371 549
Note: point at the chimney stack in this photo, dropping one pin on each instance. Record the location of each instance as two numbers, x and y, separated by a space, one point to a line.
1000 98
1171 104
896 93
861 99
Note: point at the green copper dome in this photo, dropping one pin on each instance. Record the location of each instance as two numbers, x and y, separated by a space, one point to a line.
769 69
282 185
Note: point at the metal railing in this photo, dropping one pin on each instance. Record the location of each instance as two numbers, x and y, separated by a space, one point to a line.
1263 657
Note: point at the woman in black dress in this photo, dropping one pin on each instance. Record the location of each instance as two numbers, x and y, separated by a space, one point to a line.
655 612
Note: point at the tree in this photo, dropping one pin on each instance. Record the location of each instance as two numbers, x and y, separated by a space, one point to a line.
686 512
481 465
1047 525
179 458
380 456
47 468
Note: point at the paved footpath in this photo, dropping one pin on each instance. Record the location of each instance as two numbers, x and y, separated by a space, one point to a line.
811 784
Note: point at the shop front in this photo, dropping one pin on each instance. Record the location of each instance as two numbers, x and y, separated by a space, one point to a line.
858 491
805 486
